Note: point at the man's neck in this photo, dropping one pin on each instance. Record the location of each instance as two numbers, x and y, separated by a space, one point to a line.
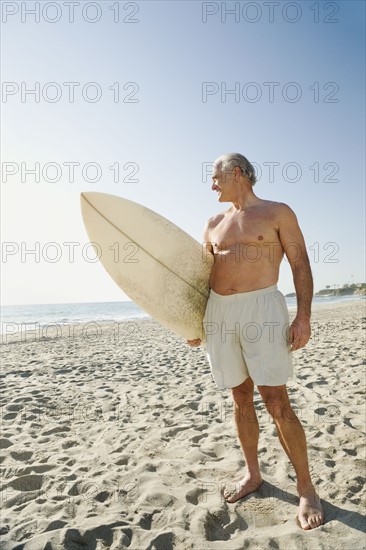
244 201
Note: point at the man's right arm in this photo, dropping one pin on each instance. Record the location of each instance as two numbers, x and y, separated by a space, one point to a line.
206 246
206 237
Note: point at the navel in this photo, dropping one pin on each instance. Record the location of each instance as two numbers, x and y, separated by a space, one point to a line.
260 237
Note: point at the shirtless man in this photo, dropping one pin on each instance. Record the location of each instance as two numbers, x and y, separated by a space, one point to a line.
248 337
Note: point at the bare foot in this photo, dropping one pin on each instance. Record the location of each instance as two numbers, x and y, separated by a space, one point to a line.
242 488
310 510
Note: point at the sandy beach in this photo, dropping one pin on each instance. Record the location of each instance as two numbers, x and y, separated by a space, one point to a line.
116 437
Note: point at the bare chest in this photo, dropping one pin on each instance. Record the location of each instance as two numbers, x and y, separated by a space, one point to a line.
244 228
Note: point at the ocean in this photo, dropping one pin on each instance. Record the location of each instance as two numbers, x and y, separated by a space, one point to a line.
100 312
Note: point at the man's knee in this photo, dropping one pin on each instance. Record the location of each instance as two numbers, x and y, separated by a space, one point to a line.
243 400
243 392
277 403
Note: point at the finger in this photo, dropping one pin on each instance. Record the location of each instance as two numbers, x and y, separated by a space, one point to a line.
294 334
295 345
300 343
194 343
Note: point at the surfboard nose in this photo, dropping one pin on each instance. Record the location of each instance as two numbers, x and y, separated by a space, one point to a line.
86 195
90 196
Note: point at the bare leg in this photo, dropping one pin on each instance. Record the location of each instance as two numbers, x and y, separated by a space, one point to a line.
293 439
248 434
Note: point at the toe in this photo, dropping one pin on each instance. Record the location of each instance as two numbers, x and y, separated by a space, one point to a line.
304 522
312 522
320 520
315 521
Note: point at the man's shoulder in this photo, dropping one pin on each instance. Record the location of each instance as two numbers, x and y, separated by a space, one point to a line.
275 204
214 220
279 208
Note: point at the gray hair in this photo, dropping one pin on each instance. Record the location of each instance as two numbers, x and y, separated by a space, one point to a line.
232 160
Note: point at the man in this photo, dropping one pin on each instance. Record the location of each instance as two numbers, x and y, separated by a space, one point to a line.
248 338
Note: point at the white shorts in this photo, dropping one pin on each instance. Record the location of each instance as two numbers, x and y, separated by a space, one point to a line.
247 335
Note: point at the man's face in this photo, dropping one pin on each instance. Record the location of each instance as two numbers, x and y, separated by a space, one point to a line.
222 183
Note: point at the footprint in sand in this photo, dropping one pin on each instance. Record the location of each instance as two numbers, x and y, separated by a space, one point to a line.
5 443
196 495
21 456
26 483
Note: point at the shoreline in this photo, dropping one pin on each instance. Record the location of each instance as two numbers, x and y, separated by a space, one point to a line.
127 442
27 320
70 329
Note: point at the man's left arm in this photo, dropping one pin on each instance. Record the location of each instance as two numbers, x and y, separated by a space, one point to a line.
293 243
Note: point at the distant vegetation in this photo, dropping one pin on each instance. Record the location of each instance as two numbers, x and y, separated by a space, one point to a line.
346 290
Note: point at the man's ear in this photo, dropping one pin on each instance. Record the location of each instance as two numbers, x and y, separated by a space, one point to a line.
237 172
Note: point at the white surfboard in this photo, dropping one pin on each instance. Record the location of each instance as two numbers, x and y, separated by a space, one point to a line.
159 266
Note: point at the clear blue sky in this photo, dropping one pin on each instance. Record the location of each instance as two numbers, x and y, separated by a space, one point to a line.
178 124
